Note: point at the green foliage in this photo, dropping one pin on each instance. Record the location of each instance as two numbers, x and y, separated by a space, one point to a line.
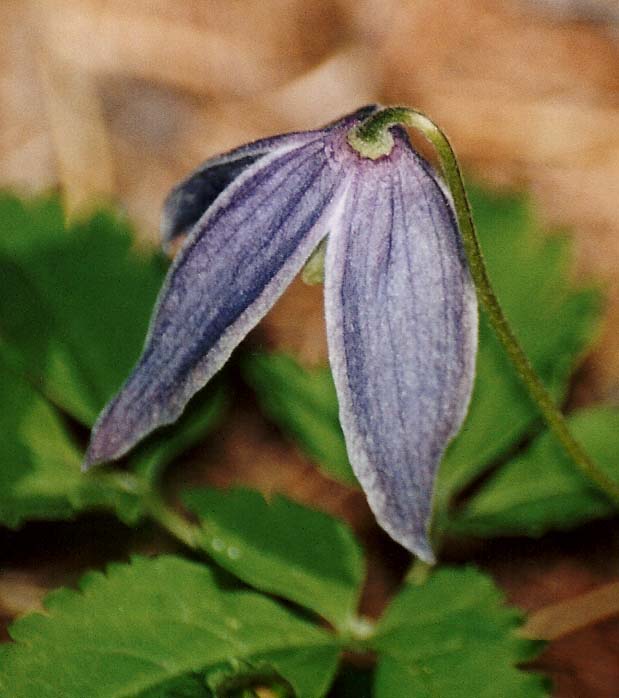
309 670
540 489
84 296
156 623
282 548
290 672
453 637
188 686
304 404
165 628
40 465
74 308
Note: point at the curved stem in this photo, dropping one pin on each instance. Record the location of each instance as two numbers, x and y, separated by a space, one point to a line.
371 135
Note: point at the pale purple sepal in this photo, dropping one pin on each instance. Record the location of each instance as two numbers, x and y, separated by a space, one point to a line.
237 261
402 328
400 306
189 199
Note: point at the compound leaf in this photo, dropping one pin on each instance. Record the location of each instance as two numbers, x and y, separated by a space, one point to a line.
154 624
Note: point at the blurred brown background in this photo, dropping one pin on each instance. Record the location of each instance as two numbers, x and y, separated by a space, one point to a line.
118 100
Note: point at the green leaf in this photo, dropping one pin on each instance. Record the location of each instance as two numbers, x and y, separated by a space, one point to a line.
307 671
74 308
155 623
282 548
303 403
453 636
74 301
40 466
554 322
542 489
189 686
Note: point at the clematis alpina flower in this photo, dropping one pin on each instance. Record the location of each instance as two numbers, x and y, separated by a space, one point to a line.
401 311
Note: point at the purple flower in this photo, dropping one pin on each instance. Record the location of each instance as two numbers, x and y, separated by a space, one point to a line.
400 306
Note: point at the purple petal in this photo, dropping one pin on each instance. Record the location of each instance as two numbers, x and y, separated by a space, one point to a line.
402 328
237 261
189 199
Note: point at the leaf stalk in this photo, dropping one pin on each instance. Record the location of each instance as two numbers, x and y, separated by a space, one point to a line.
173 523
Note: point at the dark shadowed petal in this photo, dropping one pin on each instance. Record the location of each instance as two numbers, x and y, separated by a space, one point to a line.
237 261
353 117
402 328
189 199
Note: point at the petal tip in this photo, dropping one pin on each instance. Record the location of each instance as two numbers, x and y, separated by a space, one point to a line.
88 463
108 441
423 550
416 542
95 454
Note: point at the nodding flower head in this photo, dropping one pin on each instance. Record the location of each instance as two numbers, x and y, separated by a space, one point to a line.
401 312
